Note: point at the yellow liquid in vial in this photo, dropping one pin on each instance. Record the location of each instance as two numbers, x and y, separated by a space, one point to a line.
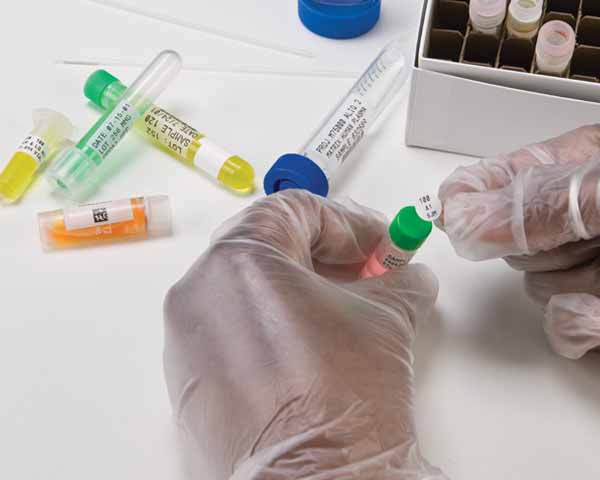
17 176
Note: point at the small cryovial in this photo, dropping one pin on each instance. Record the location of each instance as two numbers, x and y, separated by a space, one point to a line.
72 172
407 233
116 221
555 47
487 16
176 137
524 17
50 131
318 161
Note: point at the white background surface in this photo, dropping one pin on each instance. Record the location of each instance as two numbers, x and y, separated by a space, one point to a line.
82 392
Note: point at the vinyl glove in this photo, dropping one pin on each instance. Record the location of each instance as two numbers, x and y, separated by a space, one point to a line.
517 207
277 369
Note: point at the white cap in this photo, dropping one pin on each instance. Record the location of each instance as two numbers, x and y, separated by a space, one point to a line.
487 13
158 215
555 47
526 11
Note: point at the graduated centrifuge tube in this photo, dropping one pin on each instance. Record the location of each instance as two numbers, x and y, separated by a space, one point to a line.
318 161
179 139
120 220
72 171
555 47
406 235
524 17
487 16
50 131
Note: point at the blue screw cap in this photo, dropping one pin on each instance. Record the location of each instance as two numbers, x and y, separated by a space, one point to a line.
339 18
296 171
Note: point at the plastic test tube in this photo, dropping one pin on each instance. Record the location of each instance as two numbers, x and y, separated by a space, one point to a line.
50 130
524 17
73 169
555 47
179 139
487 16
407 233
120 220
321 157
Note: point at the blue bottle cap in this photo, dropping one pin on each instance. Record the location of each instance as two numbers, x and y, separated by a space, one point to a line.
296 171
339 18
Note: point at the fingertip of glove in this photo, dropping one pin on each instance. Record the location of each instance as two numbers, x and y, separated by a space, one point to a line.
572 324
413 279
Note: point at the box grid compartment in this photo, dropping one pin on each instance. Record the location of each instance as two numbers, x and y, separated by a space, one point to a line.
453 39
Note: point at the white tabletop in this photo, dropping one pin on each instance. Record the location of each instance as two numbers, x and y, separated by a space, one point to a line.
82 392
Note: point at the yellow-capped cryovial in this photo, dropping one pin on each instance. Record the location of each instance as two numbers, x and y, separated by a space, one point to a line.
177 137
50 131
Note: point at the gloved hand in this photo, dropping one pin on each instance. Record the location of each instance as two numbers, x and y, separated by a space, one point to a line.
279 372
517 207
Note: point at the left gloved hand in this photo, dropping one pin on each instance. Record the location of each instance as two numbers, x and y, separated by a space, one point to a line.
517 207
276 370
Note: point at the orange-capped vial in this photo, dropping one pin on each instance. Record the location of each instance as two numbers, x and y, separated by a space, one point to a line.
107 222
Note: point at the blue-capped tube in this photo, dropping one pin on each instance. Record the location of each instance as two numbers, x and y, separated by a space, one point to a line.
315 165
339 18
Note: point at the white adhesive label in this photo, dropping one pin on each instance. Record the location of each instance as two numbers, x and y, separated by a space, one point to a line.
170 132
97 214
336 140
429 207
391 257
35 147
210 157
113 129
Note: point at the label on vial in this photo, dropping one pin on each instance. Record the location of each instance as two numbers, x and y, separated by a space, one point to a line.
391 257
35 147
95 214
429 207
394 258
210 157
170 132
336 140
113 129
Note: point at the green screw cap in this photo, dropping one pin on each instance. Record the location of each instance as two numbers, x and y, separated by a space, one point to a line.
95 85
408 231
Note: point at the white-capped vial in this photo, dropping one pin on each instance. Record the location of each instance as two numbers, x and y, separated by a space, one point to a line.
555 47
524 17
115 221
487 16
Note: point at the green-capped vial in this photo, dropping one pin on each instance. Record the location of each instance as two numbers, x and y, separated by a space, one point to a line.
407 233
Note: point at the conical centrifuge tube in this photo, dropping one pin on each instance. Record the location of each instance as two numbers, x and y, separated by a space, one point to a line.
73 170
178 138
317 162
50 130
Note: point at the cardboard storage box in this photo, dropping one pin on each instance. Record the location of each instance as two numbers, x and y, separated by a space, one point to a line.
480 95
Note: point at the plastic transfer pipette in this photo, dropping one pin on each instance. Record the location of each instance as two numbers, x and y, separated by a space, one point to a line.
178 138
73 170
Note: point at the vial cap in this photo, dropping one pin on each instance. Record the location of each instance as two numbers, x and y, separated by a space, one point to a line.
556 39
526 11
158 216
339 18
95 85
488 8
409 231
296 171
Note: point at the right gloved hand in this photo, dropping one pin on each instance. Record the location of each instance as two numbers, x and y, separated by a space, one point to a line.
517 207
